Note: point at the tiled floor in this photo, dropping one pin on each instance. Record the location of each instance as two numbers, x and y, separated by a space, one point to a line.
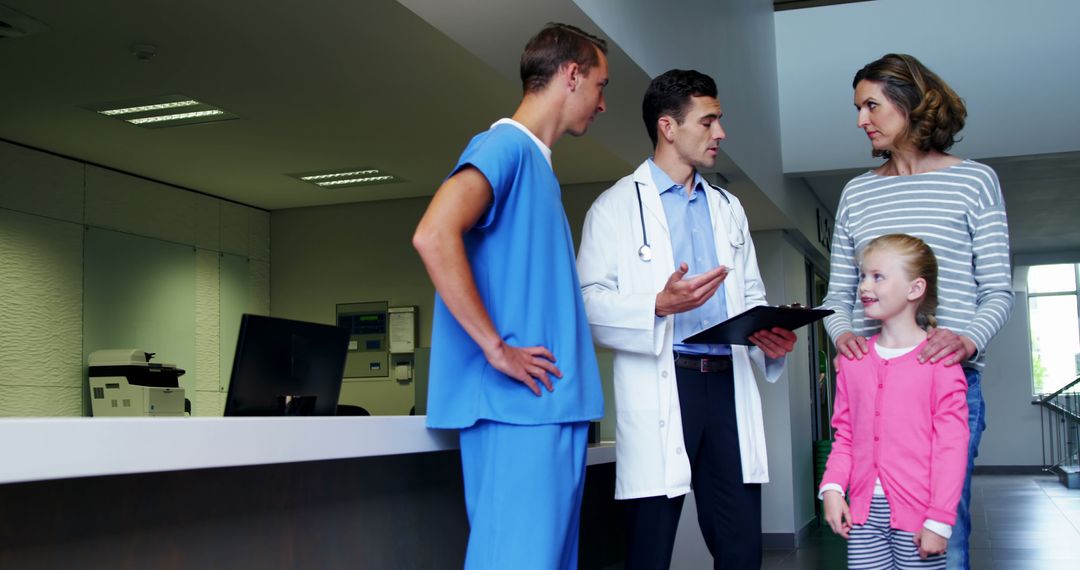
1019 522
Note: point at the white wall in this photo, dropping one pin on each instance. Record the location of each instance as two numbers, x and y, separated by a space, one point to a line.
1007 59
47 206
734 43
41 312
1013 433
363 252
787 500
352 253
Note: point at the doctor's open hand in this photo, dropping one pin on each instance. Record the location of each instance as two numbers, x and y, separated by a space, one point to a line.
775 342
680 294
525 364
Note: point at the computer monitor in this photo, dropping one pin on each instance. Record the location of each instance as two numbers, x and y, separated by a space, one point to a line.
286 368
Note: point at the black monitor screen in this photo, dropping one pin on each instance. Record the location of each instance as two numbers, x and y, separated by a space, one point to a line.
286 368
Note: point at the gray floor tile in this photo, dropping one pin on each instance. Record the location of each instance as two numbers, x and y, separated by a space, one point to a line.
1014 565
1043 554
1063 534
1018 522
980 557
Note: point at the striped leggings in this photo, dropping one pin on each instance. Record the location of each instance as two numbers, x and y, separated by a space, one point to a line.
875 546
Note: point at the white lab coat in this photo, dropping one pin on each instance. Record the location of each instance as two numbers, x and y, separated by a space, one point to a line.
620 299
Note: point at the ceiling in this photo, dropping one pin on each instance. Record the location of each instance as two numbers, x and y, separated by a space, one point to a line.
327 85
781 5
1000 56
339 84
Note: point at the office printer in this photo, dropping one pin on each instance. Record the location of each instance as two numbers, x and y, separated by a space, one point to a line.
123 382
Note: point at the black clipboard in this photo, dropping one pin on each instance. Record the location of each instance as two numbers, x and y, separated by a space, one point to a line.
737 329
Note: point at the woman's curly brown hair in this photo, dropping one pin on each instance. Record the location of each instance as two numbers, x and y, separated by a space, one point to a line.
935 112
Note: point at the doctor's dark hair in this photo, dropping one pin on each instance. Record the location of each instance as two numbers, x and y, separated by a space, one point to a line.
555 46
669 94
934 111
918 261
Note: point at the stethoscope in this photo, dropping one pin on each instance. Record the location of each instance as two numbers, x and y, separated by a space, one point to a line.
645 251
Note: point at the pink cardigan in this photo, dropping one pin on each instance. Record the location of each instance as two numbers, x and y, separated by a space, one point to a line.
905 423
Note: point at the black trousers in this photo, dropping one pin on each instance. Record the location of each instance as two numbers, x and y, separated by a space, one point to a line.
729 511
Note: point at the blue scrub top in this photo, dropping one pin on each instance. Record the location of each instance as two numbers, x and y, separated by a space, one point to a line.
522 256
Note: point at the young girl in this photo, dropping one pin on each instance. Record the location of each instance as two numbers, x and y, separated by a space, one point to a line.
901 426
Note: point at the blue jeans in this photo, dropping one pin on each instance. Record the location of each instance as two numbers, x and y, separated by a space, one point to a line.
958 556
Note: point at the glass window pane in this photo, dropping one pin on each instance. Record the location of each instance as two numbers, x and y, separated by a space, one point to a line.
1051 278
1055 341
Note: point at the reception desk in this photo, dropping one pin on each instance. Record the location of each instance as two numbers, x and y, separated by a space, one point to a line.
358 492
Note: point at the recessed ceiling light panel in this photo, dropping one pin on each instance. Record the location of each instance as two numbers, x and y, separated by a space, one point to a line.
154 107
347 177
165 111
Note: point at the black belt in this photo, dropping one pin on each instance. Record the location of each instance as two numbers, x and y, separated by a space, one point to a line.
710 363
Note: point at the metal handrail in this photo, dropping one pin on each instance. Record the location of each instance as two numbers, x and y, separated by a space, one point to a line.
1062 428
1045 401
1047 398
1061 410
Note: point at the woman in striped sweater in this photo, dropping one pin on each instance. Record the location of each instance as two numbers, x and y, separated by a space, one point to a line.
911 117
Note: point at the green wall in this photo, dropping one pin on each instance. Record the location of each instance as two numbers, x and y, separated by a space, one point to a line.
93 258
363 252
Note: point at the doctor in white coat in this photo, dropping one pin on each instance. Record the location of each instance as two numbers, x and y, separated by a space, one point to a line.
663 254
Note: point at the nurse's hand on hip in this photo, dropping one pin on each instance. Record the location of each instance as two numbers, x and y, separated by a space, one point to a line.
524 364
680 294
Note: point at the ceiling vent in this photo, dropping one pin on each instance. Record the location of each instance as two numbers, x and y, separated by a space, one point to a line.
14 24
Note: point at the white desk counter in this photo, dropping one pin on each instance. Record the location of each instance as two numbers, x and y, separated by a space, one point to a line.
39 449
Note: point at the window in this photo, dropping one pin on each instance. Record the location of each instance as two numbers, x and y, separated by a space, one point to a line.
1055 325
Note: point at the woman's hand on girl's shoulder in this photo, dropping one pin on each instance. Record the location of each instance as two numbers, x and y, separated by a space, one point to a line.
946 344
852 346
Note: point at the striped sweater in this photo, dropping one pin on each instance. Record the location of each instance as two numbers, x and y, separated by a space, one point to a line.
959 212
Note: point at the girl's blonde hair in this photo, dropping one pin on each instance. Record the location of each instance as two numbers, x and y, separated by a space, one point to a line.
919 261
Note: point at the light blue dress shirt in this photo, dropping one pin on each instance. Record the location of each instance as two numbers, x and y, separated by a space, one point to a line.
692 242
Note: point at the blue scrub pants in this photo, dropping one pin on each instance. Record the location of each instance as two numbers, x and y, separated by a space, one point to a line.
523 487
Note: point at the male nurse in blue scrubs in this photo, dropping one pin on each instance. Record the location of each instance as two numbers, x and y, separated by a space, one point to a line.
512 360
